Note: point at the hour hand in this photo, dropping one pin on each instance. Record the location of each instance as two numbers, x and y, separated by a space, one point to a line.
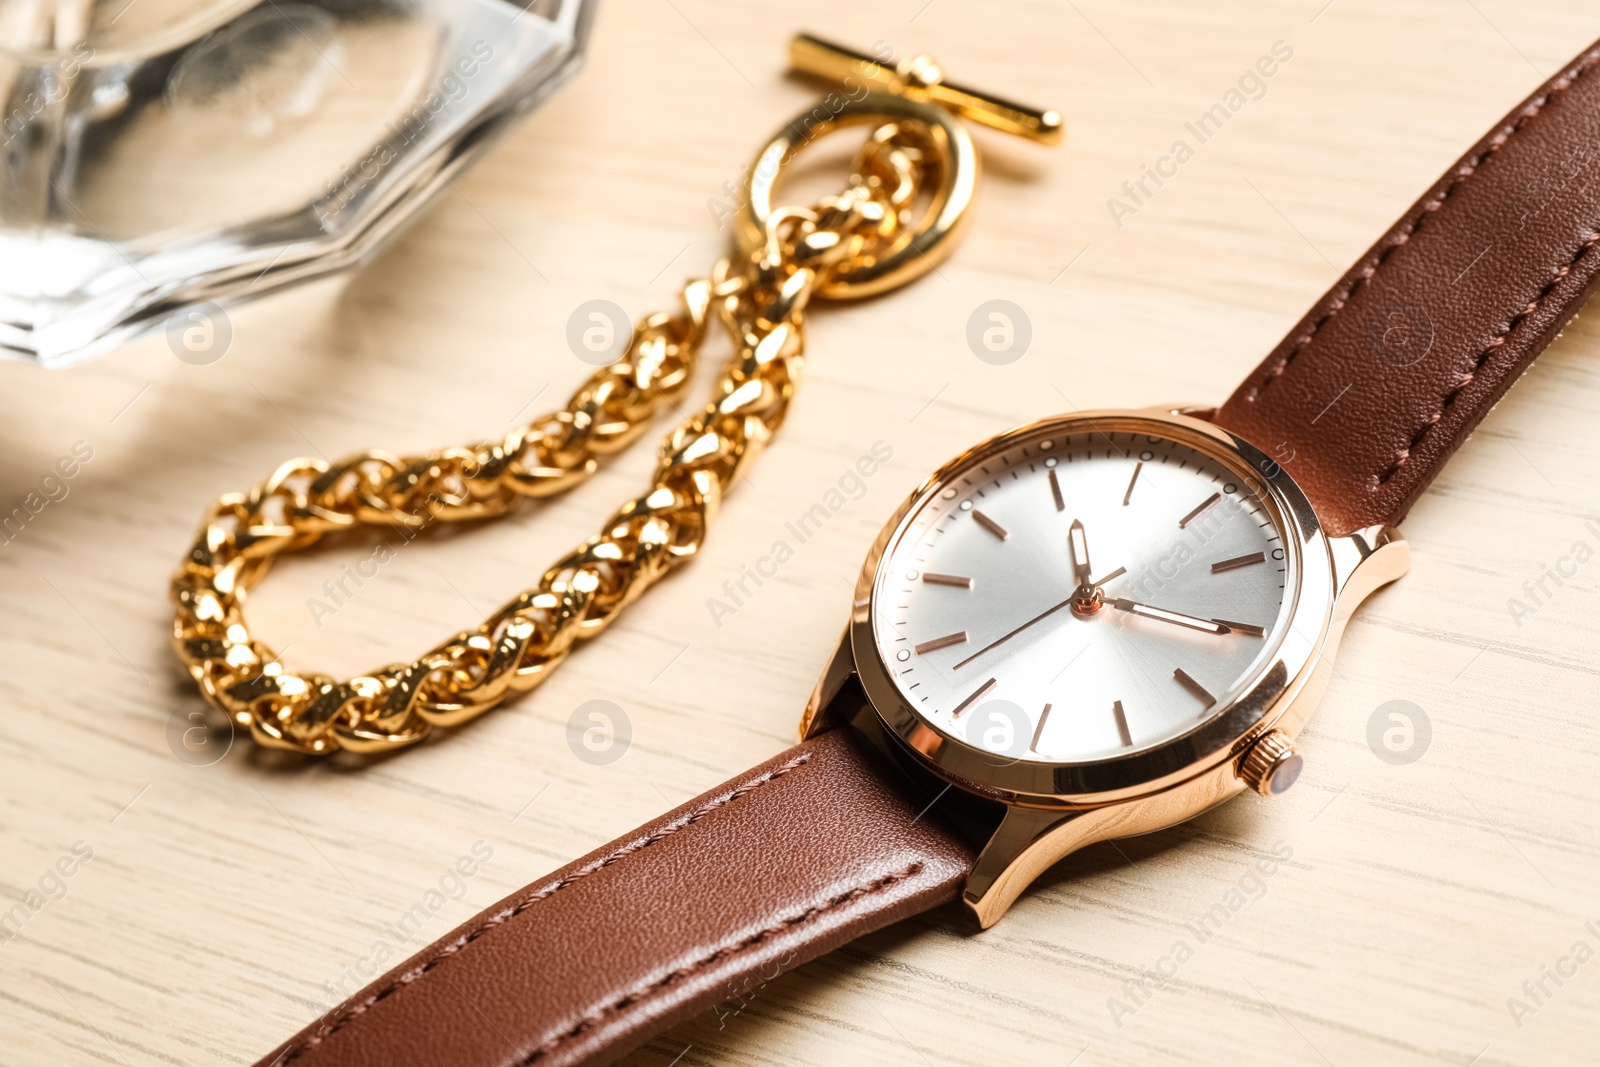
1079 544
1176 618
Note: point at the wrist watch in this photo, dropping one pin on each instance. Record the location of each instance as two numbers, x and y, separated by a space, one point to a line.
1094 626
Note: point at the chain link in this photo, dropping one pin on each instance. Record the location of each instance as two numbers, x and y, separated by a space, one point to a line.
761 300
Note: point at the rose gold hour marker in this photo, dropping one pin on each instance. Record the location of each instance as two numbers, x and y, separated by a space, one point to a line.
974 698
1194 687
958 638
1055 491
947 579
1238 561
1137 467
1122 724
989 524
1242 628
1033 746
1201 510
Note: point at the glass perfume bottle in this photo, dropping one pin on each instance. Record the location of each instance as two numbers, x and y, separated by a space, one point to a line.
156 154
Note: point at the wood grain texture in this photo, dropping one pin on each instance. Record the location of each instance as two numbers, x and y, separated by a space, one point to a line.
224 904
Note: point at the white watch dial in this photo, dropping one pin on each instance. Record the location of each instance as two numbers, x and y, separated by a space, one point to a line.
1072 598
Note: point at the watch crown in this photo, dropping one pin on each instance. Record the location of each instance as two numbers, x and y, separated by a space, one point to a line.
1272 764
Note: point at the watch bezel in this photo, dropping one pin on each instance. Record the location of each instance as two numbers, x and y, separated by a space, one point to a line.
1247 709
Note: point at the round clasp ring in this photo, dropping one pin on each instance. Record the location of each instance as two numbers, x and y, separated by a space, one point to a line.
927 243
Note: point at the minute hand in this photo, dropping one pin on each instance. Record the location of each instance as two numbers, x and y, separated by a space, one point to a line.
1210 626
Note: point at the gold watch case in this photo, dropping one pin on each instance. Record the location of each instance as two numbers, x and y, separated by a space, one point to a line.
1054 809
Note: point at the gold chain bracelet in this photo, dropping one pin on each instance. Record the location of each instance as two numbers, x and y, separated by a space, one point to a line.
908 190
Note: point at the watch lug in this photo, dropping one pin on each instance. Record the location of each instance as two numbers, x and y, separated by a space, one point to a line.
819 717
1026 843
1363 562
1030 840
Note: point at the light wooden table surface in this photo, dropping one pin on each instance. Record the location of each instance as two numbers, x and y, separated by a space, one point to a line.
224 904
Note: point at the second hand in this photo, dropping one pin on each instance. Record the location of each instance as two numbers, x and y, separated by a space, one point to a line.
1045 614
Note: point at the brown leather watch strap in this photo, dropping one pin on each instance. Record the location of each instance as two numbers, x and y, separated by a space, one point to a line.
1389 372
702 906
